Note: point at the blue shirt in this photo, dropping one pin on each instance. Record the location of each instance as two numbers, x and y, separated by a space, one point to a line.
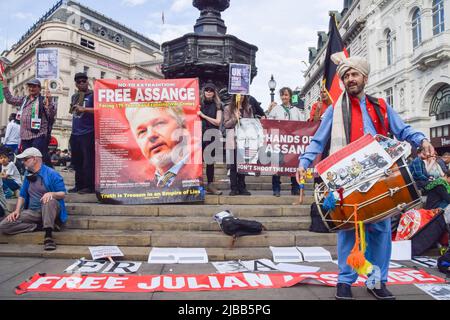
84 123
53 182
418 170
401 131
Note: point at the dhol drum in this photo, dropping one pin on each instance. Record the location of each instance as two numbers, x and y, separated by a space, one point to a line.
395 192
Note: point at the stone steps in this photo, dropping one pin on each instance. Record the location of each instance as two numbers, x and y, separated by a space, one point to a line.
187 239
176 223
134 253
257 198
182 210
137 228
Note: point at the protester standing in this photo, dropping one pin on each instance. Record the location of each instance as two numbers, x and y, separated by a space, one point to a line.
12 134
233 113
36 115
319 107
211 115
285 111
82 140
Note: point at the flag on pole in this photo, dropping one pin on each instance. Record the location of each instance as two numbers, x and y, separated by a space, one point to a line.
2 70
335 44
1 93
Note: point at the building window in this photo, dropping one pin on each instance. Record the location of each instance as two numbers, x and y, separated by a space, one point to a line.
88 44
438 16
389 47
86 70
416 28
433 132
118 78
440 104
102 75
389 94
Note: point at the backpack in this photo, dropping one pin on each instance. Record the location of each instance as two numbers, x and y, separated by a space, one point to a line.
317 224
236 227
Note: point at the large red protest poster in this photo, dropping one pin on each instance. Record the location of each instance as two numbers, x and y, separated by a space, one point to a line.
269 147
148 141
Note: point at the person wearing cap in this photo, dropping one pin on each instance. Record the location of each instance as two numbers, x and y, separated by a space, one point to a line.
42 199
82 140
36 114
354 115
211 115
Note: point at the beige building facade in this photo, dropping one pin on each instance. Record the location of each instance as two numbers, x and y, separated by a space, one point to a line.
87 41
407 43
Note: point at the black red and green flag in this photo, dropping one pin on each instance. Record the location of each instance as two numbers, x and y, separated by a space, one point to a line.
2 69
335 44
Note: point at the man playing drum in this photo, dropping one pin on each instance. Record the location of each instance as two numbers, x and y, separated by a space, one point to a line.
354 115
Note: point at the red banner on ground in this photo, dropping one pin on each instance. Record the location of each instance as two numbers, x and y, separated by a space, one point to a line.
148 141
278 148
212 282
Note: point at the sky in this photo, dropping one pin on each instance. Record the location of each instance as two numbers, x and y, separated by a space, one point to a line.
282 30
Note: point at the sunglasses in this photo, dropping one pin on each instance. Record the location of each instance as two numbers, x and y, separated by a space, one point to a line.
81 81
209 90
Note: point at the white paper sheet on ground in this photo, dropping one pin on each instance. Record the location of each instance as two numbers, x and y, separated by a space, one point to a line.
286 254
229 266
437 291
178 255
315 254
426 262
296 268
401 250
259 265
192 255
105 251
394 265
89 266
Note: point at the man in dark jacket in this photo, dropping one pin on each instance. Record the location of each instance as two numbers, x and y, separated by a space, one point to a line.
82 140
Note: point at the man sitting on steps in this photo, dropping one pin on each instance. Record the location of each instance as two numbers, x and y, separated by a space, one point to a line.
42 198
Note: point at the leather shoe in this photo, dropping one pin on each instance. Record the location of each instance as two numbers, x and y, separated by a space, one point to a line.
233 193
276 193
382 294
73 190
245 193
344 292
85 191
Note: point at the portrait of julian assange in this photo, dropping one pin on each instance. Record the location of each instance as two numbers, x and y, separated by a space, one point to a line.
167 143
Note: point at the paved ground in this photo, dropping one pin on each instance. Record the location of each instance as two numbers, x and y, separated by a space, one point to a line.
15 270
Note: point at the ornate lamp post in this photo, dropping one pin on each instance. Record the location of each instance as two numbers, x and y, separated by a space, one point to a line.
208 51
272 85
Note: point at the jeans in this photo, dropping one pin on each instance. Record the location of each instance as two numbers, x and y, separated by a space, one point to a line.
237 180
10 184
276 184
378 252
13 147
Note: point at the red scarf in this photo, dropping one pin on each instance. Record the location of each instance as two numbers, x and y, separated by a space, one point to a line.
357 126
